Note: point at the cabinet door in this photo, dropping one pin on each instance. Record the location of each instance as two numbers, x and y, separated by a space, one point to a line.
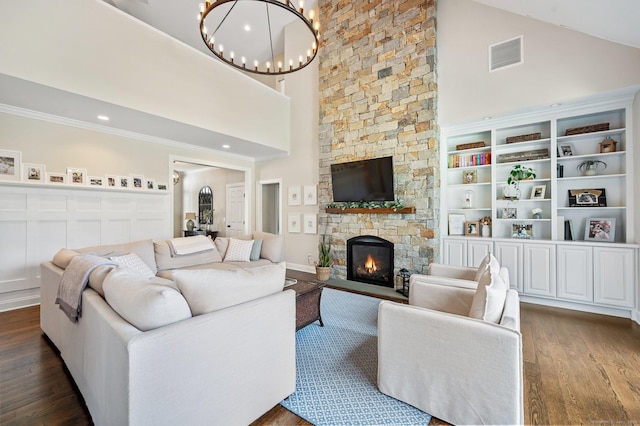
614 276
477 250
575 273
455 252
539 269
509 255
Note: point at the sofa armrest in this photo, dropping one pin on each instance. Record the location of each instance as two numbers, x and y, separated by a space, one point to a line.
451 271
240 360
459 369
441 294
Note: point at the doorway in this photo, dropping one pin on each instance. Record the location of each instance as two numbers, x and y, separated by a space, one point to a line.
235 210
269 206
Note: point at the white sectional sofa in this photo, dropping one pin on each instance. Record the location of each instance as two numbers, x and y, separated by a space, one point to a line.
224 365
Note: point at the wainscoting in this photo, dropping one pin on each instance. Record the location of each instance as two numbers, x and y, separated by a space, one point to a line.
37 220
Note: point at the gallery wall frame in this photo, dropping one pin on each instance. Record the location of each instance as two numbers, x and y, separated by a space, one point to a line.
10 165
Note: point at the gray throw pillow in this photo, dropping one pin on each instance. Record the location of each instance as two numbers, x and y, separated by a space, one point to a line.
255 250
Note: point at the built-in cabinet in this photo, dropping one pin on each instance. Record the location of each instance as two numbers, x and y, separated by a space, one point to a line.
561 253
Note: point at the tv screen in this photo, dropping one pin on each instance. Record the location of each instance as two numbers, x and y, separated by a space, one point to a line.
364 180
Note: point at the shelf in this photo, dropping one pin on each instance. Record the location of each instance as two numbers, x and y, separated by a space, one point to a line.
406 210
573 178
602 134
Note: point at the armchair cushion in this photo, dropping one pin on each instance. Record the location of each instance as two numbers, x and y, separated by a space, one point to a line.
491 292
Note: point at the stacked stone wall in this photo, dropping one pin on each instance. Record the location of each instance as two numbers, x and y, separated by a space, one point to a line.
378 97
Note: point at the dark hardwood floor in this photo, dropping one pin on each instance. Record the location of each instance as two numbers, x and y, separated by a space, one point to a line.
579 369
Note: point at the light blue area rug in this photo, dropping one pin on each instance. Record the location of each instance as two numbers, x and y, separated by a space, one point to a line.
337 368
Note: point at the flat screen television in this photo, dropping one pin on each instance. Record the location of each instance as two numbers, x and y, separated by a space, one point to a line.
364 180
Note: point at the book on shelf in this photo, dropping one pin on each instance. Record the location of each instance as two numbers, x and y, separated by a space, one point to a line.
469 160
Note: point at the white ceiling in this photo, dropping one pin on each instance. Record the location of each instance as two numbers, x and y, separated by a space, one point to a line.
614 20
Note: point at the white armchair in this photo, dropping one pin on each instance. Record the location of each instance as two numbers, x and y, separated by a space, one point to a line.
432 355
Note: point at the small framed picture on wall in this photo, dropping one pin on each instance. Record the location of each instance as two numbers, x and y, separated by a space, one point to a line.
293 223
294 196
10 165
33 173
76 176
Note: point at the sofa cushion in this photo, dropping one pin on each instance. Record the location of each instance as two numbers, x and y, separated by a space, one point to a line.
208 290
238 250
491 292
165 261
272 246
144 304
144 250
133 261
222 243
255 250
63 257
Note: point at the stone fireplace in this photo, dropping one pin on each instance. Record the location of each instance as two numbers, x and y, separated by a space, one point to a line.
378 97
370 260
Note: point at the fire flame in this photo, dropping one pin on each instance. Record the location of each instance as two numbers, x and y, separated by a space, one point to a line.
370 265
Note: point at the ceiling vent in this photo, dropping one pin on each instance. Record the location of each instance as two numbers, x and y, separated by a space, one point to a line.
505 54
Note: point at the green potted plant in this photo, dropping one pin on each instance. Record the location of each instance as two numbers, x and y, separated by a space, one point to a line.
323 265
590 167
518 172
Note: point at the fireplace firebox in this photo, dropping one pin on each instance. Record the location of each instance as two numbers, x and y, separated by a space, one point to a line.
370 260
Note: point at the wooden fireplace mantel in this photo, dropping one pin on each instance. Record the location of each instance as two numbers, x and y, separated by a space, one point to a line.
405 210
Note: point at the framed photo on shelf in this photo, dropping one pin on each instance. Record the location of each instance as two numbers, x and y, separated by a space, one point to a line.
96 181
470 176
508 213
56 178
569 235
456 224
76 176
472 228
565 149
587 197
293 223
33 172
538 191
112 181
137 181
124 182
522 230
600 229
10 165
294 196
162 186
150 184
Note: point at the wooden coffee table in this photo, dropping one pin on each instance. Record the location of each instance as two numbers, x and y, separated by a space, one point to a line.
308 294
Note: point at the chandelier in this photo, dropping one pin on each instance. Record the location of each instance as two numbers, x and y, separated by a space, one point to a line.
249 34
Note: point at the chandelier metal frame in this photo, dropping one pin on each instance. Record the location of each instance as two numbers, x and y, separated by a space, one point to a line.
287 5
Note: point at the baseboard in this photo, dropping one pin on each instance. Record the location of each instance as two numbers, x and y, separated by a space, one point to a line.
635 315
19 302
594 309
301 268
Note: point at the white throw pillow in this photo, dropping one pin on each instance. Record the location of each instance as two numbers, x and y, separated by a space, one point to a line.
491 293
238 250
483 265
208 290
133 261
222 244
143 304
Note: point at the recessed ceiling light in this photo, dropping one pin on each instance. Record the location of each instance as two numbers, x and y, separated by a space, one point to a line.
103 118
247 27
226 146
488 117
555 105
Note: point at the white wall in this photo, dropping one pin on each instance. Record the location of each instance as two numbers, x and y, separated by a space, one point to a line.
90 48
559 64
301 167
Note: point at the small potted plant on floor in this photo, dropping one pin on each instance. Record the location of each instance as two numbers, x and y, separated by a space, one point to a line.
323 265
518 172
590 167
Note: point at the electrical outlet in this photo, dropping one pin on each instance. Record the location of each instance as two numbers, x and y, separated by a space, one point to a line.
309 258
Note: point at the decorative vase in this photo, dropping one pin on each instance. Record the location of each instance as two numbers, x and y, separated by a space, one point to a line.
591 170
537 215
486 230
323 272
511 192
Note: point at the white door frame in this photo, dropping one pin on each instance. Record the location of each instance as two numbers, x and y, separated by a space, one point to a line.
259 201
248 179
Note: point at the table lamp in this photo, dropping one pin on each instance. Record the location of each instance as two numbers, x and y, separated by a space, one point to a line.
190 217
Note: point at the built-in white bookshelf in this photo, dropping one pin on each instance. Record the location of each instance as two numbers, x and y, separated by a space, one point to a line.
572 206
